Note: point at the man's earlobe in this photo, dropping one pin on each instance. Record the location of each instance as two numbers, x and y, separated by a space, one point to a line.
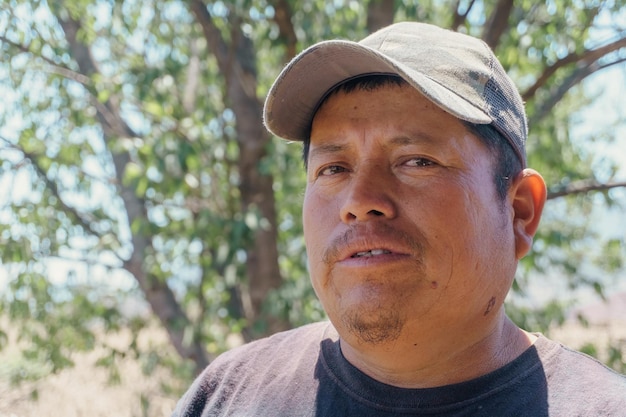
529 195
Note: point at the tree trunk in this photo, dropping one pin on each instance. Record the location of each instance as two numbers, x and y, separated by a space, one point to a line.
157 293
379 14
237 63
498 23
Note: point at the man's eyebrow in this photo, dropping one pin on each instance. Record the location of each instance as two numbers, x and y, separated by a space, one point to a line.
326 149
403 140
420 138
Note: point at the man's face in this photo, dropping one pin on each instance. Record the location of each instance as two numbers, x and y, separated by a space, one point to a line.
404 231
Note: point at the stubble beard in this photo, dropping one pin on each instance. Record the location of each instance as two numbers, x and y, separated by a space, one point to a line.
377 326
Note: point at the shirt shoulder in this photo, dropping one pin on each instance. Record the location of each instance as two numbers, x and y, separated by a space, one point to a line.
579 384
259 375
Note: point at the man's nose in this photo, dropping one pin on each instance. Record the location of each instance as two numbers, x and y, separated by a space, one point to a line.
369 195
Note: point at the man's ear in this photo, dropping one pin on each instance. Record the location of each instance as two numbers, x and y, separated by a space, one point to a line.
528 193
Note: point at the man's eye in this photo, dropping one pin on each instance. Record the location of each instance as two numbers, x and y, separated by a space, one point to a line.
419 162
331 170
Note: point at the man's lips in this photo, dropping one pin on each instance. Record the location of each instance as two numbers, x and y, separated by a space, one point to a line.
370 253
366 248
369 242
354 251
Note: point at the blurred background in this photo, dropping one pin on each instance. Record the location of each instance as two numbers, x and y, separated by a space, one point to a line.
148 221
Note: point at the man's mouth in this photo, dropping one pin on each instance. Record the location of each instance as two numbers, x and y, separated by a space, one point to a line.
370 253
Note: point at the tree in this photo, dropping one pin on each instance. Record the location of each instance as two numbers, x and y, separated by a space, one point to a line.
132 143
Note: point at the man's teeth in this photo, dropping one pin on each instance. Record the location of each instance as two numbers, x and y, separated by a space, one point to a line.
373 252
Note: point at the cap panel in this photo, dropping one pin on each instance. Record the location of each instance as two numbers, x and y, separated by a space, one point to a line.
293 99
458 63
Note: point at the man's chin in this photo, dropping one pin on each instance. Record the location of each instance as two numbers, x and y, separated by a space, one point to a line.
373 327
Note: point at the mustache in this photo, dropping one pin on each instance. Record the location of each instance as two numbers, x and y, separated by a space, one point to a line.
372 232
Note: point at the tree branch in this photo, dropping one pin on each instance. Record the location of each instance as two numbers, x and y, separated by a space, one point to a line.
25 49
582 187
557 93
282 17
498 23
588 56
235 69
190 90
83 220
86 261
104 111
54 67
460 18
379 14
212 35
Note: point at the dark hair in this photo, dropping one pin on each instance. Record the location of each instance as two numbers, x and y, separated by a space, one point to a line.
506 162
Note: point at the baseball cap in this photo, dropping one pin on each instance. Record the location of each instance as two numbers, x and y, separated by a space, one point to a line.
457 72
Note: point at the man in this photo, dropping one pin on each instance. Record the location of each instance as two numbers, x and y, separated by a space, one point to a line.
418 206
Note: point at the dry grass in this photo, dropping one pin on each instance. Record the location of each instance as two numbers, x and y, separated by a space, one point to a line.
606 326
84 390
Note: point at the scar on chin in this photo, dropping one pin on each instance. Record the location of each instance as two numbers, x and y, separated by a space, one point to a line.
490 305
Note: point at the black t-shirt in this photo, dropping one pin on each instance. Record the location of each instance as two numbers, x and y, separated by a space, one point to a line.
302 372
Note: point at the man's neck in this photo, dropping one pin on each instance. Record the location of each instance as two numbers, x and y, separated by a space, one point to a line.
427 364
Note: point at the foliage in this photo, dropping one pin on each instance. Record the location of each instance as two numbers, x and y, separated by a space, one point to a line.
132 169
